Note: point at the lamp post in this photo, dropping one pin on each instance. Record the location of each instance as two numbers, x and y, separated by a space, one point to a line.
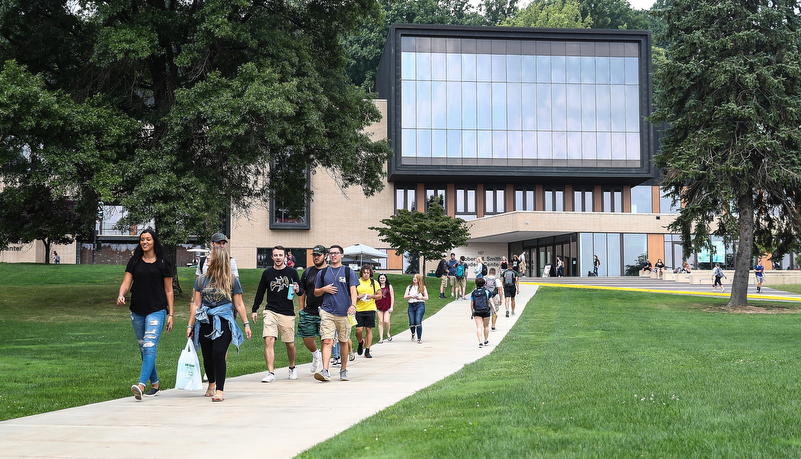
98 228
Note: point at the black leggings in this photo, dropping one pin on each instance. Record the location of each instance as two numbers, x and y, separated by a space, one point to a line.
214 352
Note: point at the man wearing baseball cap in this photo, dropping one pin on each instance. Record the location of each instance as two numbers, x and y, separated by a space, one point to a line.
217 240
309 314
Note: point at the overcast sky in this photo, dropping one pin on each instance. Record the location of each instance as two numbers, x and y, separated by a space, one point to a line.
641 4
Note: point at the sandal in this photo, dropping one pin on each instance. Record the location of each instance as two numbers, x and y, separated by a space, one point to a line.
389 338
351 356
218 397
210 391
381 341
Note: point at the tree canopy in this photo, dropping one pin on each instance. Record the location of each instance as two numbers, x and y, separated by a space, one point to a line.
730 92
429 234
563 14
180 110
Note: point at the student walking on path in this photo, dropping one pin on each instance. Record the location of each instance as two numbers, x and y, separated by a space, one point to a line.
211 319
417 295
481 310
385 306
149 278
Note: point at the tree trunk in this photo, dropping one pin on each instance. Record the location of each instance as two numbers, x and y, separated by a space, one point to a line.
46 242
171 252
742 264
422 264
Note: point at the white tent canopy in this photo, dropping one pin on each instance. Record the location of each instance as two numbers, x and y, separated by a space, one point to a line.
361 252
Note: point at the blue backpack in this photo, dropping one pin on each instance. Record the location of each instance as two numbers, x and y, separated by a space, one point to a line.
480 301
460 270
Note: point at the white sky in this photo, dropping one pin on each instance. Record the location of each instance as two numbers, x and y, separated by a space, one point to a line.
636 4
641 4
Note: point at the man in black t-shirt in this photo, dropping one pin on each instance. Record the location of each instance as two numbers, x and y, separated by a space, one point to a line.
279 312
309 314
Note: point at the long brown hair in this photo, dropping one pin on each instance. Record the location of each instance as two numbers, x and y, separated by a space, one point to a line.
219 272
421 283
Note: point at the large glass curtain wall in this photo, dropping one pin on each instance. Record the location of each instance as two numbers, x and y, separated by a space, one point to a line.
620 254
549 103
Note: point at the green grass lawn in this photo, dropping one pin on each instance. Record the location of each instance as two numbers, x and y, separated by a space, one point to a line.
600 374
66 342
584 373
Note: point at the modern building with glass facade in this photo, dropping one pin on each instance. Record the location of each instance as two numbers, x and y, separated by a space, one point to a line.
537 137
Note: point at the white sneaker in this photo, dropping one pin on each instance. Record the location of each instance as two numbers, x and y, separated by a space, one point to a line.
293 373
317 359
269 378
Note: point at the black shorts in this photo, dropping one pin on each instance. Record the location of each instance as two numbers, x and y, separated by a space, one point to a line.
484 314
365 319
509 292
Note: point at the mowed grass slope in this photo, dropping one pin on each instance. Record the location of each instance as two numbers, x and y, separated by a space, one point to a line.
65 342
602 374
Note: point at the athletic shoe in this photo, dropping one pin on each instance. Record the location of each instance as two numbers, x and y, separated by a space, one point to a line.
419 341
317 358
336 362
367 354
360 348
722 290
269 378
343 375
451 295
513 313
480 345
507 313
322 375
152 392
493 328
293 373
136 391
486 343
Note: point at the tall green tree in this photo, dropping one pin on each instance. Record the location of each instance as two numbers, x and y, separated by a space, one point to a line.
558 14
429 234
613 14
730 90
232 101
366 46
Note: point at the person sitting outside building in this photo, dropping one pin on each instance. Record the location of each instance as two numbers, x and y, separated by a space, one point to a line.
647 267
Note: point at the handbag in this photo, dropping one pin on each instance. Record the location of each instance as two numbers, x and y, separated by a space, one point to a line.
188 375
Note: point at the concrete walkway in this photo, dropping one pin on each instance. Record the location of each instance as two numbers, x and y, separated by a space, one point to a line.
276 420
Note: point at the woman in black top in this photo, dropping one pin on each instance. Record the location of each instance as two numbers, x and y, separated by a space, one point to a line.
149 278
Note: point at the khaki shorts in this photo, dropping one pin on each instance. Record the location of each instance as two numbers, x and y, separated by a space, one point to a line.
329 324
444 281
274 322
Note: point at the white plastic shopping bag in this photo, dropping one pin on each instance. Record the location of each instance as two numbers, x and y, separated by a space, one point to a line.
188 376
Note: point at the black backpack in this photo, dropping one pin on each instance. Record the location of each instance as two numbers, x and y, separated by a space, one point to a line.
440 268
483 269
480 300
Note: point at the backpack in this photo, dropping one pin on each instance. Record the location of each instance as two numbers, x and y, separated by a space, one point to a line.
440 268
483 269
460 270
508 278
491 287
480 300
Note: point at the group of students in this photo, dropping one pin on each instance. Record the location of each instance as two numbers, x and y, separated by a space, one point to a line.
331 297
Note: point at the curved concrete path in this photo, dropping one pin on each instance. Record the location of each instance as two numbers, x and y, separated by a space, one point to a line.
276 420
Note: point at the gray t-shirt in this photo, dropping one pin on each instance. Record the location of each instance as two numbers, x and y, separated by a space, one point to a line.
213 297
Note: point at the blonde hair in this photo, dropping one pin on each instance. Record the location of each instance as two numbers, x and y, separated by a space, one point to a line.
421 282
219 272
